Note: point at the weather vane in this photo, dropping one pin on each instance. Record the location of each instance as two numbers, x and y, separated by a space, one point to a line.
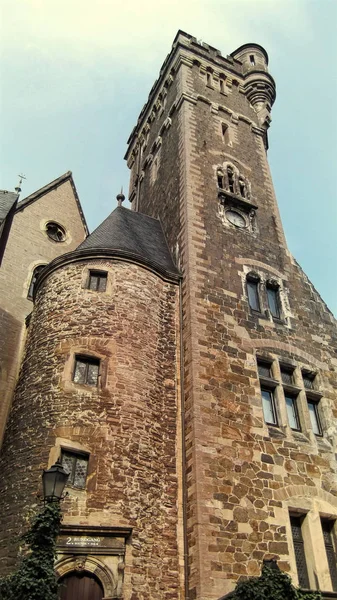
18 187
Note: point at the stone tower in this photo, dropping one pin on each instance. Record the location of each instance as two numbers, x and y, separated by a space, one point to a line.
182 365
258 341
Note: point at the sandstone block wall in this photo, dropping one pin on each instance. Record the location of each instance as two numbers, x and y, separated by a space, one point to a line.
243 476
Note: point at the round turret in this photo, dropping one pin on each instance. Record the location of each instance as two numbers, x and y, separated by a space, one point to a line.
259 85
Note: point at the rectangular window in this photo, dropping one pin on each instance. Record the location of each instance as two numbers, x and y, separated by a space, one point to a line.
253 295
287 375
268 405
308 380
86 370
292 412
264 368
76 464
301 563
327 527
97 281
273 302
314 417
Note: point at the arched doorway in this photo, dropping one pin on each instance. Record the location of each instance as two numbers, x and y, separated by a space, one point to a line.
80 585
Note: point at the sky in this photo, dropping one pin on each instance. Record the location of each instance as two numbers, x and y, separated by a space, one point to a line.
75 75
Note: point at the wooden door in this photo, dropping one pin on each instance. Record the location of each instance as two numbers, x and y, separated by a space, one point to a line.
80 586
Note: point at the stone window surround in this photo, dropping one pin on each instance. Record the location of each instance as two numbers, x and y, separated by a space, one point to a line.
68 372
31 273
312 510
76 454
280 389
98 265
264 280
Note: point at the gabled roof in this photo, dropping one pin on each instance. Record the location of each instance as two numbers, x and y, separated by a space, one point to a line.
7 201
134 235
50 186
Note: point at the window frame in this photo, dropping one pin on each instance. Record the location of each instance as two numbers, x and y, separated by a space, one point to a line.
101 276
315 404
299 544
275 290
293 398
76 455
330 549
61 229
253 281
87 360
271 392
36 271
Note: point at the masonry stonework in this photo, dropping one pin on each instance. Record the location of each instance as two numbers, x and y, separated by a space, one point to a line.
28 246
207 485
127 425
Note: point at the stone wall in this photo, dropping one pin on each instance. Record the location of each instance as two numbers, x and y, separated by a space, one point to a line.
28 246
243 476
128 424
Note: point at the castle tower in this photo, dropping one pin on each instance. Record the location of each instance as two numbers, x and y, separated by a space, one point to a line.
259 368
193 399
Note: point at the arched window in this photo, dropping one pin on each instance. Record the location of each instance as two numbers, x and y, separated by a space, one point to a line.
220 178
253 281
33 280
230 175
273 298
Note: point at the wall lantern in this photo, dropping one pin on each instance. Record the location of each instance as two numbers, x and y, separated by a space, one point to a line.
53 481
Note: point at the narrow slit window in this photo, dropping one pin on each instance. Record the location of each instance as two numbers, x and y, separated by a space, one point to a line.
301 563
273 300
327 528
292 412
222 85
268 406
209 79
76 464
253 293
252 59
225 133
314 417
98 280
86 370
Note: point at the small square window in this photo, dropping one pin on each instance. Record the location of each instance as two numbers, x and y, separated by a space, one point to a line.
287 375
264 369
268 405
293 418
86 370
97 280
308 380
314 417
76 464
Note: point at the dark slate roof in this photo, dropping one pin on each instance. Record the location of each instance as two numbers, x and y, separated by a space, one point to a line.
134 235
7 200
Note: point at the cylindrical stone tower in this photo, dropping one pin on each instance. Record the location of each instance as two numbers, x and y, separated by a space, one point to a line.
98 389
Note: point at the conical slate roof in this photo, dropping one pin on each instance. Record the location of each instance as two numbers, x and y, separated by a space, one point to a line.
135 235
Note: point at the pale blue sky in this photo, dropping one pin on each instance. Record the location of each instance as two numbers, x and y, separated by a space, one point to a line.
75 74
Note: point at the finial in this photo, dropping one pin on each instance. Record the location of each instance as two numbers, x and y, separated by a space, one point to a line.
120 197
18 187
